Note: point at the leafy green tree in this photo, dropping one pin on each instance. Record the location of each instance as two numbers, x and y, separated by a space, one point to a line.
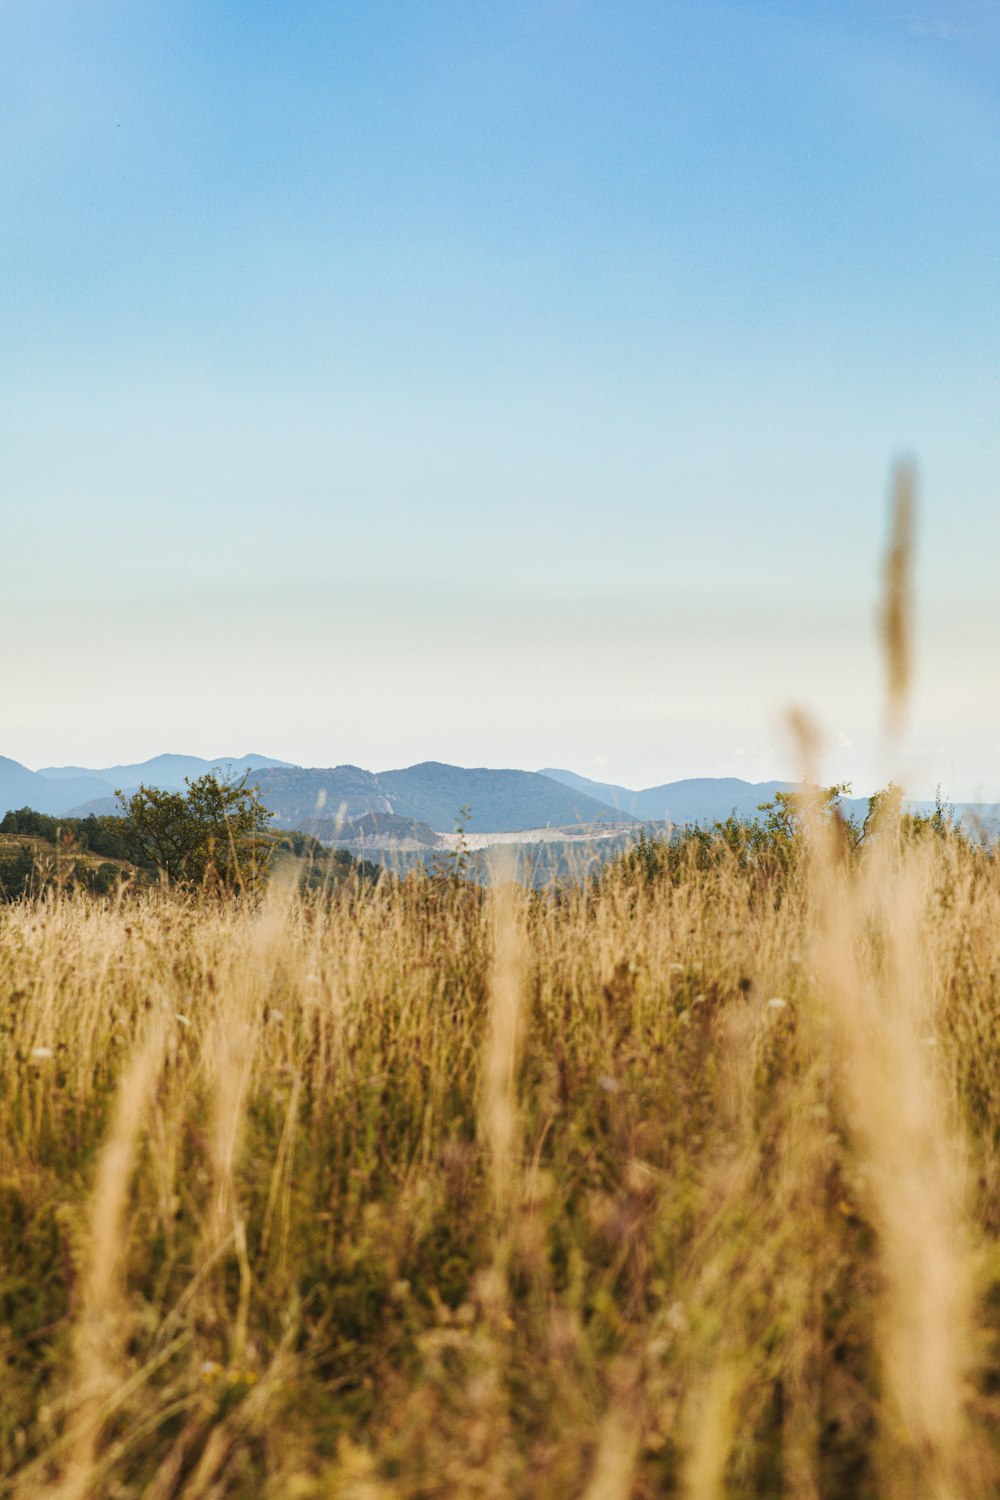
215 834
888 818
18 875
784 812
26 820
320 868
98 835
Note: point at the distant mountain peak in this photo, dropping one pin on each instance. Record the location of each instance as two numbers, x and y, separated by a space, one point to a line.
699 799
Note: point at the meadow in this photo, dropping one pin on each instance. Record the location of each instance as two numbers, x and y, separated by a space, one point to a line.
683 1181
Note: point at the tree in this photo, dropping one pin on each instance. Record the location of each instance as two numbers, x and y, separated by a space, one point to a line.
17 872
783 829
214 834
888 816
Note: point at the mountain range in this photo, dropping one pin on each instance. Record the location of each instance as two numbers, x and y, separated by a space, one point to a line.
414 803
70 789
696 800
430 794
501 801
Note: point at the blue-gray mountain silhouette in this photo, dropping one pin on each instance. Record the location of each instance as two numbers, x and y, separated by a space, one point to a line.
76 789
500 801
699 799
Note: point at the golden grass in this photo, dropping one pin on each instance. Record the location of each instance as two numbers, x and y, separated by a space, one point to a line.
686 1185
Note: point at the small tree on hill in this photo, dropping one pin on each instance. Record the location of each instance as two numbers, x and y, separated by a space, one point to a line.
214 834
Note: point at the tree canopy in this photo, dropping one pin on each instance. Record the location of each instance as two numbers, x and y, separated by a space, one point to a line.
215 833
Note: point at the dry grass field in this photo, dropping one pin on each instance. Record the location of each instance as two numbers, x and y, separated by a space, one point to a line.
681 1184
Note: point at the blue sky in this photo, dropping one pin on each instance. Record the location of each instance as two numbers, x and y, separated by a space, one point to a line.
508 384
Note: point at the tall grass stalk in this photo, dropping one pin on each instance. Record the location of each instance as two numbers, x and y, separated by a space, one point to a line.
100 1330
867 948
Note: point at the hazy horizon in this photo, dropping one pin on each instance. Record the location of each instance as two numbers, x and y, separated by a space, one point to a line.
638 694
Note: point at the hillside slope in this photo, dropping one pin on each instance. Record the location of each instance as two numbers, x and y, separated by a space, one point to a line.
498 801
297 794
